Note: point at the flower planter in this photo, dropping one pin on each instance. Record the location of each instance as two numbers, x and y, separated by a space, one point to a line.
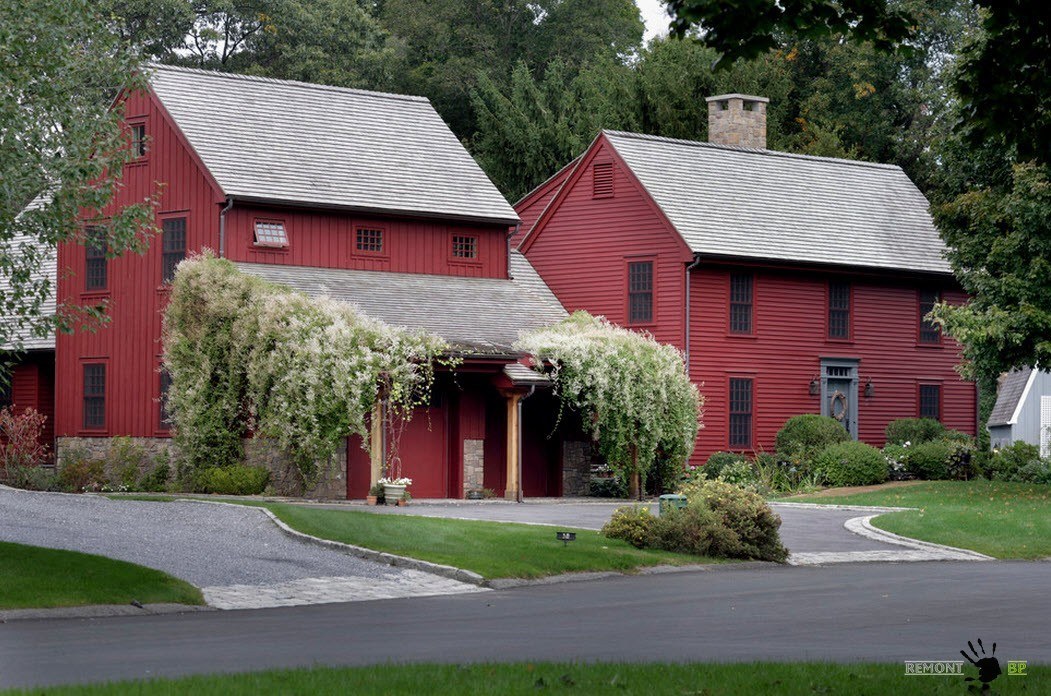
392 493
371 500
403 502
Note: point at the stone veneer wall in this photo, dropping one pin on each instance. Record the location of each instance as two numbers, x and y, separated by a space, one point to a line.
473 465
284 478
576 467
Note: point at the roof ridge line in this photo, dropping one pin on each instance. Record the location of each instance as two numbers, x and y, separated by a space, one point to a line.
289 83
751 150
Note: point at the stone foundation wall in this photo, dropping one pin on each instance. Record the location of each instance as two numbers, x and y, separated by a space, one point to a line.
473 465
576 467
284 477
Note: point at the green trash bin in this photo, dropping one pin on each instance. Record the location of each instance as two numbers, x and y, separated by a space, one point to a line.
671 500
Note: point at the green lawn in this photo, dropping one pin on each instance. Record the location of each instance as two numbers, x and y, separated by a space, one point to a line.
1004 520
491 549
746 679
34 577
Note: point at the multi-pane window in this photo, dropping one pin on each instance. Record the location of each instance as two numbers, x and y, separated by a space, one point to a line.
931 401
164 422
270 233
95 258
741 303
740 412
602 180
173 246
929 331
838 310
369 240
94 396
640 292
465 247
138 140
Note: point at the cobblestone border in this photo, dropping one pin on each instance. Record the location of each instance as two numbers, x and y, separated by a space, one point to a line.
445 571
863 526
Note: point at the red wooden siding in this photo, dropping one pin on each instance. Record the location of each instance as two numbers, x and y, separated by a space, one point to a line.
32 383
789 338
130 343
534 202
329 240
582 251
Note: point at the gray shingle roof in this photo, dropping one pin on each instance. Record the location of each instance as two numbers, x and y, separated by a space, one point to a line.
1008 393
774 205
294 142
477 315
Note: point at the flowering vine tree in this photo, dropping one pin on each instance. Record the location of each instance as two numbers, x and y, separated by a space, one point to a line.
635 392
244 353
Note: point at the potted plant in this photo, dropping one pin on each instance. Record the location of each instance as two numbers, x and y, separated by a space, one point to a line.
394 489
375 496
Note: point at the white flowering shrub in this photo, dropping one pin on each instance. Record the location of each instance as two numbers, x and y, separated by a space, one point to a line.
246 354
643 409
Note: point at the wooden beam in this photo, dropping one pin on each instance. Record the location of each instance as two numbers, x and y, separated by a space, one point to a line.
511 491
376 444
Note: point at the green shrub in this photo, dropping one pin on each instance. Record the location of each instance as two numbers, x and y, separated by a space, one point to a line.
233 480
157 479
33 478
611 487
804 436
740 473
776 475
851 464
930 460
962 464
913 430
750 523
630 523
1034 472
897 457
719 461
694 529
79 472
1007 461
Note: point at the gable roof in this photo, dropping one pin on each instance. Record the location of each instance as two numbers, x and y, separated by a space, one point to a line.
763 204
291 142
475 315
1010 394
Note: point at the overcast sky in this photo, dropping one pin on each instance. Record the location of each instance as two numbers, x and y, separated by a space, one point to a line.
653 13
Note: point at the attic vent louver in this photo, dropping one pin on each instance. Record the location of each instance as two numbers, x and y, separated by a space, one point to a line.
602 185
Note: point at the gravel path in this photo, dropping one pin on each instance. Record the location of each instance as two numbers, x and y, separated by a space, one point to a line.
207 545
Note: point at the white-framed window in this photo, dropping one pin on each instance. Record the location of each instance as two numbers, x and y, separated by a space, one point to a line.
270 233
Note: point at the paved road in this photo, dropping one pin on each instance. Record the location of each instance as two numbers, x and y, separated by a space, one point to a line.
235 553
876 612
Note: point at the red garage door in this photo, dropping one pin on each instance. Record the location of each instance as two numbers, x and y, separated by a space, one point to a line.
424 453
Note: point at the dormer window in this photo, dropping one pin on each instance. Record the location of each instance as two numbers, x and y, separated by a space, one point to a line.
465 247
270 233
138 140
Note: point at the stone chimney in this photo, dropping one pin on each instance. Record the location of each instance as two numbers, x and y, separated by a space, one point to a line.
737 119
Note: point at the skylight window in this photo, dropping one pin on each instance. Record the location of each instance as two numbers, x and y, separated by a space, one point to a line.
270 233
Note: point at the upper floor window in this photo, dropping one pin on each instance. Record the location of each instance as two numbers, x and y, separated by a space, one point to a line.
838 309
173 231
931 401
138 140
929 331
640 292
741 303
270 233
95 263
94 396
602 180
740 412
370 241
465 246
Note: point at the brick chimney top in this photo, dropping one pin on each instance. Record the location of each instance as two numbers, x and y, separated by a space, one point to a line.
737 119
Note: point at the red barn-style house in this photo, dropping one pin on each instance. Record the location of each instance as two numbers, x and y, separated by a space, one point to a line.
360 196
794 284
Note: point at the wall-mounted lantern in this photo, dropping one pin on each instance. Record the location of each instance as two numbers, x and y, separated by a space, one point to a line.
869 390
815 387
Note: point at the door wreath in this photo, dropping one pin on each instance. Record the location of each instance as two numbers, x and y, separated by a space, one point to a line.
838 405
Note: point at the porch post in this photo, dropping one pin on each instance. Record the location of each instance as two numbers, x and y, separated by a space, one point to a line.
511 491
377 445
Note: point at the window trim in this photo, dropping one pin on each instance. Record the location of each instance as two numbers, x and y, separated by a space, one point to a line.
384 252
730 303
268 246
470 260
628 261
849 338
920 322
730 378
132 123
84 428
161 218
941 398
104 289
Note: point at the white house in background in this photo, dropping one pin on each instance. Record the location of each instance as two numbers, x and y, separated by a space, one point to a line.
1023 410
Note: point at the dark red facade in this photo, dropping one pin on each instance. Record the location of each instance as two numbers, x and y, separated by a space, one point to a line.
582 246
32 385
